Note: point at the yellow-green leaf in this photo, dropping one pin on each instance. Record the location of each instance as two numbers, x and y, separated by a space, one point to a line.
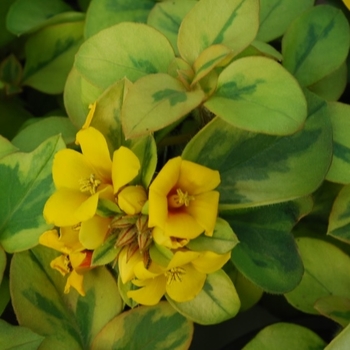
155 102
334 307
234 24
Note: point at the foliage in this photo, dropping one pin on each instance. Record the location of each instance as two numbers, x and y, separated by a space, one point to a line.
168 164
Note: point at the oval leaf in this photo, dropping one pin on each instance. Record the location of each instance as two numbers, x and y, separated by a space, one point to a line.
16 337
50 55
277 15
286 336
2 263
67 320
156 101
320 279
248 88
340 167
316 43
26 184
267 229
339 219
341 341
334 307
6 147
234 23
217 302
258 169
155 327
130 50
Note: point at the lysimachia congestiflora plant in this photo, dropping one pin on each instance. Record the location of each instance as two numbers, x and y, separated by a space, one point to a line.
203 161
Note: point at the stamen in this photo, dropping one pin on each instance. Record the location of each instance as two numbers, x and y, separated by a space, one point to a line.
174 275
89 184
179 199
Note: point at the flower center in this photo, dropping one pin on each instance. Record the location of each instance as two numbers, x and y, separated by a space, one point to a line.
179 199
174 275
89 184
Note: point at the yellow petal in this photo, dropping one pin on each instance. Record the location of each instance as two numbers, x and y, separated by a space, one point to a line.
126 268
60 208
61 264
93 232
167 241
187 285
126 166
75 280
347 3
88 208
95 150
195 178
76 259
143 274
151 293
157 209
204 209
182 225
183 258
69 168
90 115
52 240
69 236
131 199
209 262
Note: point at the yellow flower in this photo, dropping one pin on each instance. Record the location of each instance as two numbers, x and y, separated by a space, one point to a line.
82 178
181 280
74 260
182 201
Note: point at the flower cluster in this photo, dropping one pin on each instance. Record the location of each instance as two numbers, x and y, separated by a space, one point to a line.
100 198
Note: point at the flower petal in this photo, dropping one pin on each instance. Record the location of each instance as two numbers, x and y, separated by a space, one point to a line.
209 262
126 166
93 232
126 268
204 209
51 239
95 149
167 241
88 208
77 258
195 178
182 225
92 107
157 209
60 208
60 264
69 168
75 280
187 285
143 274
183 258
151 293
131 199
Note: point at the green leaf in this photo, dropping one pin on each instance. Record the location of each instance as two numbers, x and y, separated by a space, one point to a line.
167 16
6 37
106 252
123 290
33 135
248 87
316 44
267 254
341 341
234 24
332 86
26 184
24 16
5 296
258 169
146 151
154 96
78 95
50 55
155 327
327 270
286 336
102 14
340 166
222 241
334 307
217 301
130 50
19 338
11 70
160 255
277 15
67 320
6 147
339 219
260 48
2 263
